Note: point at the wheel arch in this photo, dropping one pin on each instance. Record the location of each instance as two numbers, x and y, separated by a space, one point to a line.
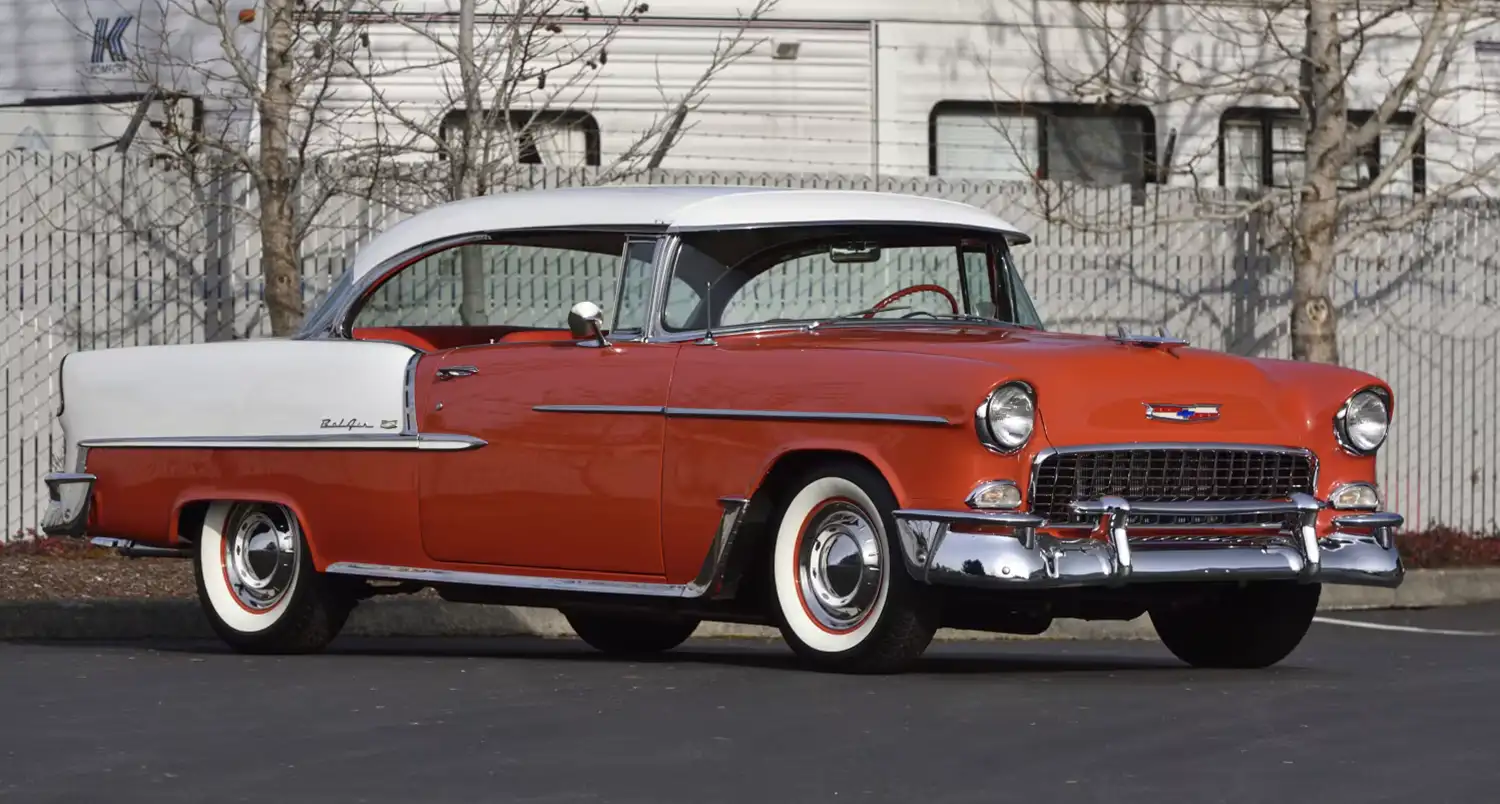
191 510
743 567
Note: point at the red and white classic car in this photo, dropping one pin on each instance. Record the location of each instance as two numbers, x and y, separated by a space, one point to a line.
834 412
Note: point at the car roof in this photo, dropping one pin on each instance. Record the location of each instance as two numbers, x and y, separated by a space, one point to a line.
679 208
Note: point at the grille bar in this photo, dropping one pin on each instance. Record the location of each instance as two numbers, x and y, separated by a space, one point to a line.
1169 474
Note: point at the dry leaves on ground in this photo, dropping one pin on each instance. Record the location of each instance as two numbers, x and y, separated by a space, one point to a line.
32 577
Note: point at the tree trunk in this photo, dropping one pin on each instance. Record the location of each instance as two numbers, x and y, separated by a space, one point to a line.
1314 319
279 257
471 307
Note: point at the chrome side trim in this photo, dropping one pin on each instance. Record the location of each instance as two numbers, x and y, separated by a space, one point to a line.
706 583
801 415
510 581
728 413
639 410
390 441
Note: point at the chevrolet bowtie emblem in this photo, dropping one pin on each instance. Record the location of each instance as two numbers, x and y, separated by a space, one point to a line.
1182 413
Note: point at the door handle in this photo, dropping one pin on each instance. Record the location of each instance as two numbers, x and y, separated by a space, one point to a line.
455 372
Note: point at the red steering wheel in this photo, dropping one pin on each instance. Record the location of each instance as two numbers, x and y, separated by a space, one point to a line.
904 292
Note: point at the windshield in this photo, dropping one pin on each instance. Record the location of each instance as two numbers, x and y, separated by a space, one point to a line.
796 275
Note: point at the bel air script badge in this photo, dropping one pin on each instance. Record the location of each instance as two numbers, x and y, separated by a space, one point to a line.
1182 413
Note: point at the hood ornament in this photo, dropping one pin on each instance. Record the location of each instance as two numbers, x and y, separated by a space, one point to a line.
1181 413
1161 338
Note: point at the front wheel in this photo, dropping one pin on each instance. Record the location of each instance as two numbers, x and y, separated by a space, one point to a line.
1253 626
257 584
841 594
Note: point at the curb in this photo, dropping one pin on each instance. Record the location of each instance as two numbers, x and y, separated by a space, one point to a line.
116 620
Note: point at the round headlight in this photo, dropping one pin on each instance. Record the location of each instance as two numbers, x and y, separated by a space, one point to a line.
1007 416
1363 422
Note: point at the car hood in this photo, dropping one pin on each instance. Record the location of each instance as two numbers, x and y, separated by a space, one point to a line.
1092 389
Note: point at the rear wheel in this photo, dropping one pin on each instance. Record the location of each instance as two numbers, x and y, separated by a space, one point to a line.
257 584
1253 626
840 592
630 633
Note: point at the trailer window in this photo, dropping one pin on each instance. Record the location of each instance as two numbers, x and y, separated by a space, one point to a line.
1267 148
1082 144
556 138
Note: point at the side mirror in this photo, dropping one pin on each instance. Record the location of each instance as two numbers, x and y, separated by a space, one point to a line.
586 320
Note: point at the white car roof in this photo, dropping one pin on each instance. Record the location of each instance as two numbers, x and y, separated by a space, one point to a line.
674 208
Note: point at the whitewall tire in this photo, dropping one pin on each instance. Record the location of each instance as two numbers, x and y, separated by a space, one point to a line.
257 584
841 593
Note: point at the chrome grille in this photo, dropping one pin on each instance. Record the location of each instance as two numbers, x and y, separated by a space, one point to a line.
1167 474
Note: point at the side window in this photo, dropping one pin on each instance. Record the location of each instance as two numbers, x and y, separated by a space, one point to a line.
635 287
497 284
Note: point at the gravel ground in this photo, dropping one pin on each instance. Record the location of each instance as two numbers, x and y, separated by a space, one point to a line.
30 577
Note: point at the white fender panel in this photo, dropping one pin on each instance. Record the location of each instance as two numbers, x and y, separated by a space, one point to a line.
236 389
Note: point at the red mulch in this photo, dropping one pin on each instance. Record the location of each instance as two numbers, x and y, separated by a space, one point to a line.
73 569
1447 548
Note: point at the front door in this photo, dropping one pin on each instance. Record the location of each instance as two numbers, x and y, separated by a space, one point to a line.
574 487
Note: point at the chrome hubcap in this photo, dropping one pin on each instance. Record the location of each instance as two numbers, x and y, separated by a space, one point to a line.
840 562
260 555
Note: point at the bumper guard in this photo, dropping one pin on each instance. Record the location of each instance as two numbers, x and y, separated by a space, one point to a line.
68 497
939 547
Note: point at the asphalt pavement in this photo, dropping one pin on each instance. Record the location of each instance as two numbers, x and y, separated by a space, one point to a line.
1376 707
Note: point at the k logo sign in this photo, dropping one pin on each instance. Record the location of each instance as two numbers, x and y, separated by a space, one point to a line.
109 40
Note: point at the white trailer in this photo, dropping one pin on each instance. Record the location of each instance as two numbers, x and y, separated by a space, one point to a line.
954 88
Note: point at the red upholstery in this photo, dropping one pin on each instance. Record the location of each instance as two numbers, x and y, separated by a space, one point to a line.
434 339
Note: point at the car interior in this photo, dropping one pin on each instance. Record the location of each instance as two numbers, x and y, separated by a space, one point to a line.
434 334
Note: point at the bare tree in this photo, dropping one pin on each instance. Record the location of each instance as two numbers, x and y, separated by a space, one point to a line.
244 138
514 77
1366 85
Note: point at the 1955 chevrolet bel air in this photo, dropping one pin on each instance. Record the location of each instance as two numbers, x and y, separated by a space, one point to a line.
834 412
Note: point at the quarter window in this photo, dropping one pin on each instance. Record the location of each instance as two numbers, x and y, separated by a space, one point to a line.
530 282
1078 143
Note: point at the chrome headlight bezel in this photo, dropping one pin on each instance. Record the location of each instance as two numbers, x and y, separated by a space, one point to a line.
1341 423
992 437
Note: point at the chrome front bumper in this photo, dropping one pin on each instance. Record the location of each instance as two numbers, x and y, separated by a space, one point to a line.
68 497
941 547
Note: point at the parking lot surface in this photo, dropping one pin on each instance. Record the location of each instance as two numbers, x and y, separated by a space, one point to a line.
1375 707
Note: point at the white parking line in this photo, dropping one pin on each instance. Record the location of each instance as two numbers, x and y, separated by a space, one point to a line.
1410 629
